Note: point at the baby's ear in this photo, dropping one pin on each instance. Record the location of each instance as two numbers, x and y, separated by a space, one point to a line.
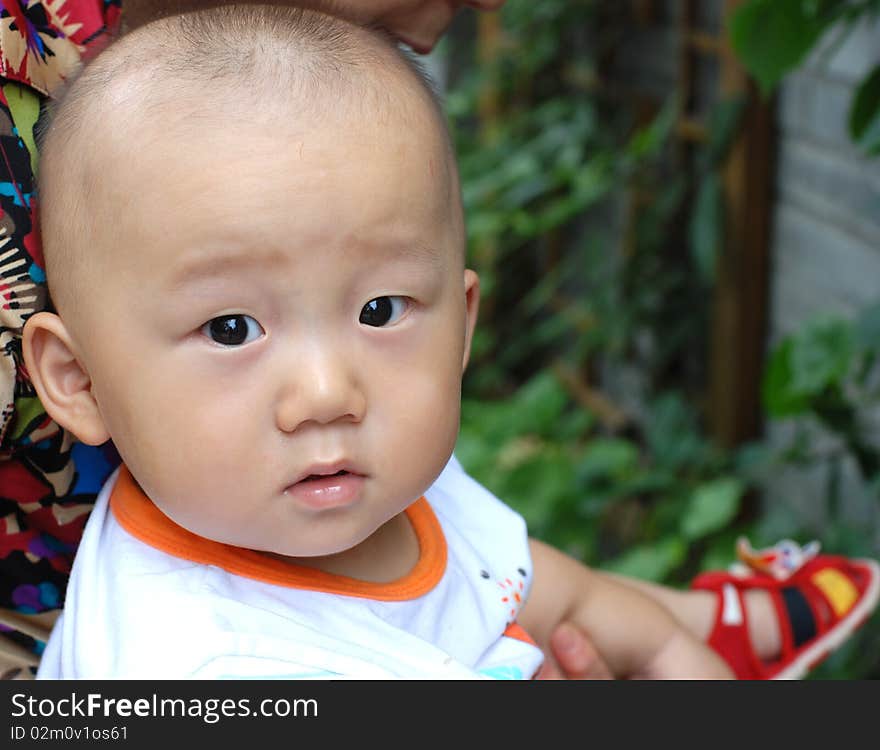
472 304
62 383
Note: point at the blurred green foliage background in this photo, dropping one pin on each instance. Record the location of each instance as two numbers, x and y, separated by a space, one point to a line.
585 401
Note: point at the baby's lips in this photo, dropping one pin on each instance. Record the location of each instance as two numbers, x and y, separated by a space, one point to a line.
324 469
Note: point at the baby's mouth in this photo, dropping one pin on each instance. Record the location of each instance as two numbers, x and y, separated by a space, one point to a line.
325 489
316 477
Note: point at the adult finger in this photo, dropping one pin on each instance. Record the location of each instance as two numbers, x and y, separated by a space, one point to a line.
576 658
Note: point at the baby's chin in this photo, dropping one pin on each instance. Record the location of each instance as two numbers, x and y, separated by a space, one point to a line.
329 559
314 551
307 557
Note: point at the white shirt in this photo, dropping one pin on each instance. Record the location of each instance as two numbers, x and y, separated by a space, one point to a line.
147 599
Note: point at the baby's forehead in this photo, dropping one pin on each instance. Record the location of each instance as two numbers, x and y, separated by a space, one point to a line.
224 77
159 87
246 63
186 129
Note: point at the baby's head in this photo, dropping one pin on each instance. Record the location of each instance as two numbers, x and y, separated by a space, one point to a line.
253 238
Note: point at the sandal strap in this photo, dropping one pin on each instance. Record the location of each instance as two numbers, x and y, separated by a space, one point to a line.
730 634
799 624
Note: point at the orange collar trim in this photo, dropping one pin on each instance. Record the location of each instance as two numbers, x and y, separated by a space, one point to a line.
138 515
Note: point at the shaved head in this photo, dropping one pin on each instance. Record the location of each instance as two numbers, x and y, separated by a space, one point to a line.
241 70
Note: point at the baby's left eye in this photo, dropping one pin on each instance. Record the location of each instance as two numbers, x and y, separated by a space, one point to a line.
232 330
383 310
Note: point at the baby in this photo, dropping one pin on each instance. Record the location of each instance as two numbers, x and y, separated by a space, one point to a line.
270 317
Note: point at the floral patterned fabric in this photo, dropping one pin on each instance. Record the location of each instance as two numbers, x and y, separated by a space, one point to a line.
47 482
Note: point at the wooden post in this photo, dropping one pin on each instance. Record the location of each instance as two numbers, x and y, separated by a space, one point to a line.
489 33
740 311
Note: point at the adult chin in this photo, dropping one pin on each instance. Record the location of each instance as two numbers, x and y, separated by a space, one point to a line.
421 26
484 4
422 30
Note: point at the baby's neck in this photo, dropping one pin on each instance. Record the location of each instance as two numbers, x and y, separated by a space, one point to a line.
388 554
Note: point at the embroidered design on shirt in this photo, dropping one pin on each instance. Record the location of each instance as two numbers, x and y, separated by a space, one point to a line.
512 592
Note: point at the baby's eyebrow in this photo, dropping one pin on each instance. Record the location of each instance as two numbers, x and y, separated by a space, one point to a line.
211 264
416 252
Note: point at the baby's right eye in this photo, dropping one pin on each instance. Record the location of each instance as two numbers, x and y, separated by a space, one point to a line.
232 330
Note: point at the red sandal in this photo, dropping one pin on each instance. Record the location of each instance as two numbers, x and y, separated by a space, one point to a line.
819 600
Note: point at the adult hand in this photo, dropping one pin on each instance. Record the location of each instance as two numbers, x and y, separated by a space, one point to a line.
417 23
573 657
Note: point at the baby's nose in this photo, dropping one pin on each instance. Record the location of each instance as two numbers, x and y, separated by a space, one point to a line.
323 388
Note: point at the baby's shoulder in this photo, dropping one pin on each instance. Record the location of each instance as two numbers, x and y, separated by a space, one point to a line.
456 491
468 510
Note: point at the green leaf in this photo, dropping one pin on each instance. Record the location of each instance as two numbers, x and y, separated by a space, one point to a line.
574 425
868 329
539 486
711 507
650 562
720 550
822 355
805 364
707 227
756 461
540 403
608 457
779 399
864 116
674 440
476 454
649 140
495 421
724 122
772 37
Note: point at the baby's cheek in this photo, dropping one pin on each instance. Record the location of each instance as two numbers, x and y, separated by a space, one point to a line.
428 425
425 398
193 444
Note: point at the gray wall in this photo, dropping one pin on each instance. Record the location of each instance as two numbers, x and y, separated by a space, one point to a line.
826 242
827 215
